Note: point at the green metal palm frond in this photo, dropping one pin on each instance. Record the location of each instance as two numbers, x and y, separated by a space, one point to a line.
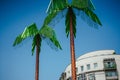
29 31
55 41
49 18
34 43
54 17
80 4
86 7
56 5
18 40
91 5
92 16
48 32
67 22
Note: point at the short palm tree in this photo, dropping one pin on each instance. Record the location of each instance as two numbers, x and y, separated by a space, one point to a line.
57 7
38 35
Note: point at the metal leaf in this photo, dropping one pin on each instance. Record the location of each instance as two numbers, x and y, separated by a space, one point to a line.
90 5
29 31
46 31
49 33
80 4
33 45
18 40
92 15
56 5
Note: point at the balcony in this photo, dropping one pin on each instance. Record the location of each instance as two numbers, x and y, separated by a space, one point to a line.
63 76
111 75
109 65
113 66
112 78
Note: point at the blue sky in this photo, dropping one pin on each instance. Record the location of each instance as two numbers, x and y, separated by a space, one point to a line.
16 63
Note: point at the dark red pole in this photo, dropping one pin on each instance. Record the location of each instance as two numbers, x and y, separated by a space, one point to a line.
37 57
73 64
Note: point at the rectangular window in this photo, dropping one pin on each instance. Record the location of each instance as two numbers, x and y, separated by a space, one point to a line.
68 72
88 66
82 77
69 78
111 73
95 65
76 70
91 77
109 63
82 68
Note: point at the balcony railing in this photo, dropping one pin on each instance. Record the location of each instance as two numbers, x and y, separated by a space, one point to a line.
112 77
113 66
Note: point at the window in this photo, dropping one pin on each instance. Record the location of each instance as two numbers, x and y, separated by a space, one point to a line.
88 66
78 78
68 72
82 68
81 77
63 76
91 77
109 63
69 78
111 73
95 65
76 70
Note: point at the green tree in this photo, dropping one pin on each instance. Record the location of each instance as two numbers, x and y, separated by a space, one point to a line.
57 7
37 35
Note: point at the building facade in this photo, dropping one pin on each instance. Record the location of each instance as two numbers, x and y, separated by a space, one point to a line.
97 65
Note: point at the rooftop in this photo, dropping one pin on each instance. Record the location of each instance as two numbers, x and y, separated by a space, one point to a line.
96 53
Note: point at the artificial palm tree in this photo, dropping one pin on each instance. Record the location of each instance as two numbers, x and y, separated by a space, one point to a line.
38 35
85 9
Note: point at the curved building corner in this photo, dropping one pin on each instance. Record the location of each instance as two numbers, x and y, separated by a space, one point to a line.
97 65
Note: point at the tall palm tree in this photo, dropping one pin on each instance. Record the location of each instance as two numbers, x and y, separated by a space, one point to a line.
86 7
38 35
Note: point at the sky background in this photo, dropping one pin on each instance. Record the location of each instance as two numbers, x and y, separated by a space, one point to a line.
16 63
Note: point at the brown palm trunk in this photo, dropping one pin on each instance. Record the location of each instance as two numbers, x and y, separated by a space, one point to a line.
73 64
37 57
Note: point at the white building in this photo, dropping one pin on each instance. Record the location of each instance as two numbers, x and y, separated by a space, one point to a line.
97 65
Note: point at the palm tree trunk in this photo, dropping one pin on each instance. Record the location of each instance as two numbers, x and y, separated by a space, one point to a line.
37 57
73 64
